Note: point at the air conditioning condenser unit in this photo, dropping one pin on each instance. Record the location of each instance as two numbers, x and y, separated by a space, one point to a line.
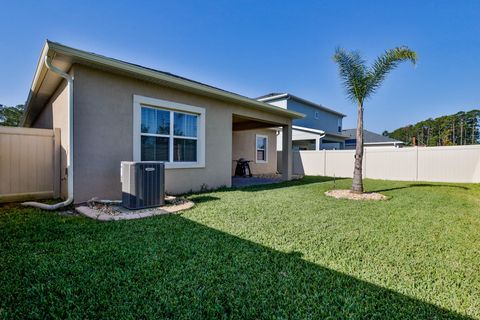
143 184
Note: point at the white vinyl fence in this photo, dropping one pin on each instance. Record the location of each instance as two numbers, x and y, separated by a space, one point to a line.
436 164
29 164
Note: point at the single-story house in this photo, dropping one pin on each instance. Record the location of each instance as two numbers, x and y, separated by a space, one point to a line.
370 139
110 111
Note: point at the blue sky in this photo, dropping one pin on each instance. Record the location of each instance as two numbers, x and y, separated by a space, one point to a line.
256 47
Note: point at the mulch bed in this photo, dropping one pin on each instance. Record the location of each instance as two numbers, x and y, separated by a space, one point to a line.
103 211
348 194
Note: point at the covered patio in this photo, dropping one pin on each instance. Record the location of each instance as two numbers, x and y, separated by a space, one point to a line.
255 141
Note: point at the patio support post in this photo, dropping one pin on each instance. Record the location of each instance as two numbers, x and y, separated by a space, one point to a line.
287 152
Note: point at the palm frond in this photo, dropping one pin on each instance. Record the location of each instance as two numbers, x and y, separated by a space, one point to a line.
352 71
386 63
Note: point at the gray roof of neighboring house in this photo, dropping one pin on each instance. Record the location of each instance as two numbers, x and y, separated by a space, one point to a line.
279 96
370 137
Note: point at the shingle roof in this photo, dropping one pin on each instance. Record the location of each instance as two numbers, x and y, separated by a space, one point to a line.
148 68
68 55
369 136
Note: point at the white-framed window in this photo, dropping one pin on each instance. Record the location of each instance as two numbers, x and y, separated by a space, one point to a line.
317 115
339 123
168 131
261 148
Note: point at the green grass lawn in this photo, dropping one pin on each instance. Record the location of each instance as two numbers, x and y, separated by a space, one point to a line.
277 251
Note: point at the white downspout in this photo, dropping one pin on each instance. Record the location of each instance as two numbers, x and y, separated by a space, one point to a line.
69 200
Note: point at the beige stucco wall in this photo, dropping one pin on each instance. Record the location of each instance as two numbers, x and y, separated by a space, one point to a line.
55 115
244 146
103 134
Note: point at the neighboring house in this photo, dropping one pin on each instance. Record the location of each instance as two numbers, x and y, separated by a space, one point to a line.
320 129
370 139
303 139
116 111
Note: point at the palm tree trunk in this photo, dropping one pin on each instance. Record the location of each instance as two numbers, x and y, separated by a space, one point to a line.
357 184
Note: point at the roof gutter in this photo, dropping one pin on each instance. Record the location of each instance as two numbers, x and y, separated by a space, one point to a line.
278 96
179 82
69 200
321 133
52 48
35 82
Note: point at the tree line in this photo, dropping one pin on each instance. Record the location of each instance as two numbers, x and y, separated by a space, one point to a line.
461 128
11 115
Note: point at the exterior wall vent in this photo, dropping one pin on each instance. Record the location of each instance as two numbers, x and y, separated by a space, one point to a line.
143 184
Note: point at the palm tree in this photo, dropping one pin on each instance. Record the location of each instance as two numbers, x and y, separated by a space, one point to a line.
360 83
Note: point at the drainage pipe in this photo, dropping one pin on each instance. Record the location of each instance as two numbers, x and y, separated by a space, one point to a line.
69 200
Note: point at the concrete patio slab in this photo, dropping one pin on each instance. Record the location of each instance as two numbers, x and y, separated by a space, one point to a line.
251 181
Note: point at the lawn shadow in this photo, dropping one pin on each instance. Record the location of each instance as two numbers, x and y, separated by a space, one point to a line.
172 267
285 184
199 198
421 185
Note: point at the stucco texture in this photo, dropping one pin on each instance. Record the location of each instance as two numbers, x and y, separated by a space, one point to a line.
244 146
103 134
55 115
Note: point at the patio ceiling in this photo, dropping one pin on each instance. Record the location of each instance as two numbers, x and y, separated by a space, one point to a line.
240 123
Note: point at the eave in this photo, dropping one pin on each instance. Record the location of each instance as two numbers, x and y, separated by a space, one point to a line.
45 82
